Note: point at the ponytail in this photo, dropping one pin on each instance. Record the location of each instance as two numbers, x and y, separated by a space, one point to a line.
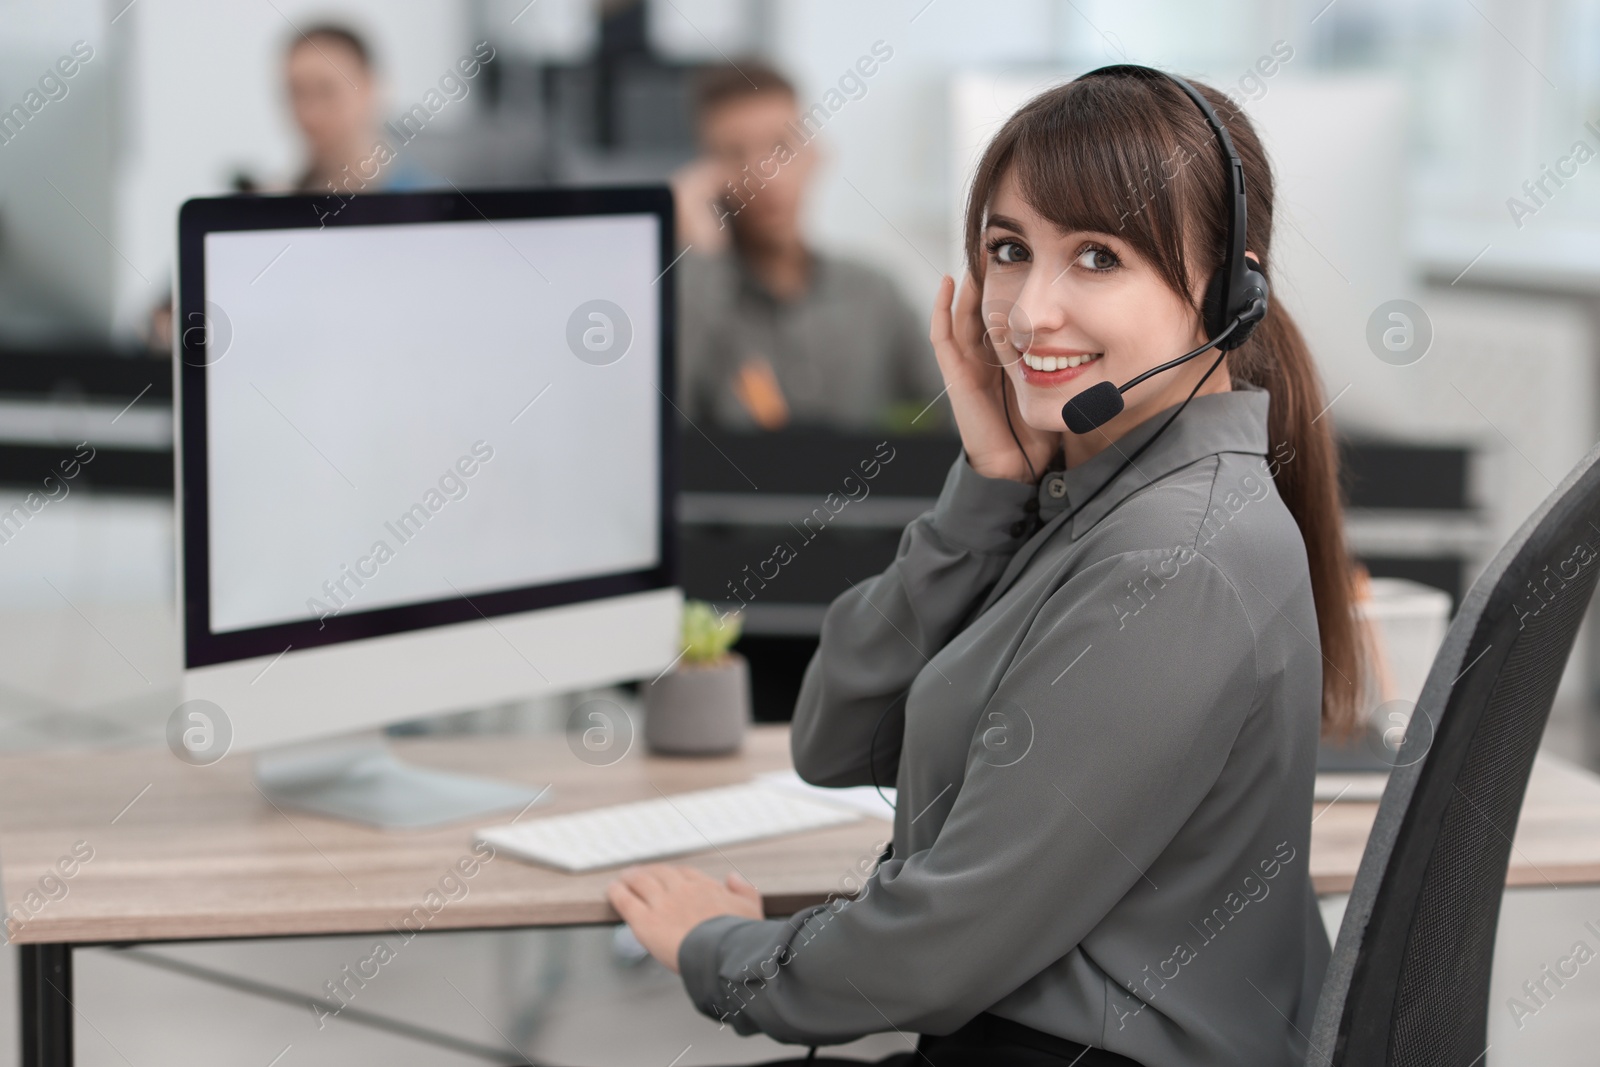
1304 461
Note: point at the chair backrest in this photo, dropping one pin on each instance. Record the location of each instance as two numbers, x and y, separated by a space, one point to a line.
1408 985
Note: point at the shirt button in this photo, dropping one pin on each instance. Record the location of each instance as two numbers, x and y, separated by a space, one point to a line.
1056 487
1018 527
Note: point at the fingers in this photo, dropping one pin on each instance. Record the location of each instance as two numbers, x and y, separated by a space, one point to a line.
626 901
747 898
959 337
638 890
651 881
969 325
966 326
672 876
939 326
648 882
696 187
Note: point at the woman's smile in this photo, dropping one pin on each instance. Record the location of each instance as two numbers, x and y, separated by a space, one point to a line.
1050 366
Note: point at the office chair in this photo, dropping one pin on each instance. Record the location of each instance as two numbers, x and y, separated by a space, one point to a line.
1408 984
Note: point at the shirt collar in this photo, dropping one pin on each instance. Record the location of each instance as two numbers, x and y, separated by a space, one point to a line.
1234 421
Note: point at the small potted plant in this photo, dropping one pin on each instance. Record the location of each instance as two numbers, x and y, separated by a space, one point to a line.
702 706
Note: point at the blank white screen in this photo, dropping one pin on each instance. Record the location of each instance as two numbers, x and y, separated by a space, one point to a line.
364 362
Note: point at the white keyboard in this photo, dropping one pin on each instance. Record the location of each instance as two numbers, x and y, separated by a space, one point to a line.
667 826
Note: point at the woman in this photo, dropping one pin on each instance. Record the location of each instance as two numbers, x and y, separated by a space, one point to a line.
334 93
1097 669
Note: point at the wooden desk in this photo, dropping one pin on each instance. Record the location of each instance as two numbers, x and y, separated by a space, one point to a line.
203 854
1557 842
184 853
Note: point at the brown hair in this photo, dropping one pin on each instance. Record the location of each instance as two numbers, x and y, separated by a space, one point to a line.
1127 153
340 35
719 85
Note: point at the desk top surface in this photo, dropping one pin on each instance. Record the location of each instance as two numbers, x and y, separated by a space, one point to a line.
181 852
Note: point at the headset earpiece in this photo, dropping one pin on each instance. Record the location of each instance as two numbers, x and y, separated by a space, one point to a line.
1249 306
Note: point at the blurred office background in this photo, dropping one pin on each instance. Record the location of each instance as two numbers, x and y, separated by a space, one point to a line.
1414 142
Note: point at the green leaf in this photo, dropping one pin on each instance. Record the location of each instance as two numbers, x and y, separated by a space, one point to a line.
707 635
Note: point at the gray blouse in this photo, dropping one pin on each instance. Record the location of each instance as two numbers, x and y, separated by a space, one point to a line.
1104 735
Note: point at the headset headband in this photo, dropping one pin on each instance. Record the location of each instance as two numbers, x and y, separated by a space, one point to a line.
1241 286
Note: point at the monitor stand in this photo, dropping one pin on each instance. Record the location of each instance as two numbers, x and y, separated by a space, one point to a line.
356 777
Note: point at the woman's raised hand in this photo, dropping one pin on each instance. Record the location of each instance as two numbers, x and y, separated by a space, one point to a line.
973 375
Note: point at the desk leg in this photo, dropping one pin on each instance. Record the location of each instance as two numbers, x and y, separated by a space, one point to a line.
46 985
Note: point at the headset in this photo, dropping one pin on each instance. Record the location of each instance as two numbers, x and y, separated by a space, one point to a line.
1235 302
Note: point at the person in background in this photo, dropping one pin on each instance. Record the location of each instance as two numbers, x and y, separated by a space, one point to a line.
773 332
334 94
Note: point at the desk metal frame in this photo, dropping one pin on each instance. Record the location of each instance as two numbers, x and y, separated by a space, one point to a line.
45 982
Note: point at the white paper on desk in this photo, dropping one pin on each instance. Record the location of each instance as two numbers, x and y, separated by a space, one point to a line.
862 798
1352 788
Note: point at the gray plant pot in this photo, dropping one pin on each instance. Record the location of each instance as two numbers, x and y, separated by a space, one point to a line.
698 711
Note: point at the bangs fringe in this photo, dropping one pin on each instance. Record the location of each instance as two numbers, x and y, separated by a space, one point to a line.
1090 156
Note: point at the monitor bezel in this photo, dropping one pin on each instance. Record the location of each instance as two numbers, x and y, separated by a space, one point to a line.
199 217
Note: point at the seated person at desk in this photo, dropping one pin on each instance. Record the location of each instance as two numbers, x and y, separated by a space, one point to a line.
1098 667
774 332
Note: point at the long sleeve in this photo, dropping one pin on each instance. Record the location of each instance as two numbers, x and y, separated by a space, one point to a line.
1130 718
877 636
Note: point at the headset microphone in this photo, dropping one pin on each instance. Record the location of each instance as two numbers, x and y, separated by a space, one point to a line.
1102 401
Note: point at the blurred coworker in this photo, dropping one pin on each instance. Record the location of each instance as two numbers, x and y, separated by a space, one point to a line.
334 94
774 333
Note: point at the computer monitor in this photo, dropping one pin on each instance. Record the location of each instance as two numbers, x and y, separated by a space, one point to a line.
425 464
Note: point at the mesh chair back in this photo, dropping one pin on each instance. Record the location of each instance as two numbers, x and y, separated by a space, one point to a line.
1408 985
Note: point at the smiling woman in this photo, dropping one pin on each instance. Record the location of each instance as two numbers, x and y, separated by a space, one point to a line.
1068 272
1024 899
